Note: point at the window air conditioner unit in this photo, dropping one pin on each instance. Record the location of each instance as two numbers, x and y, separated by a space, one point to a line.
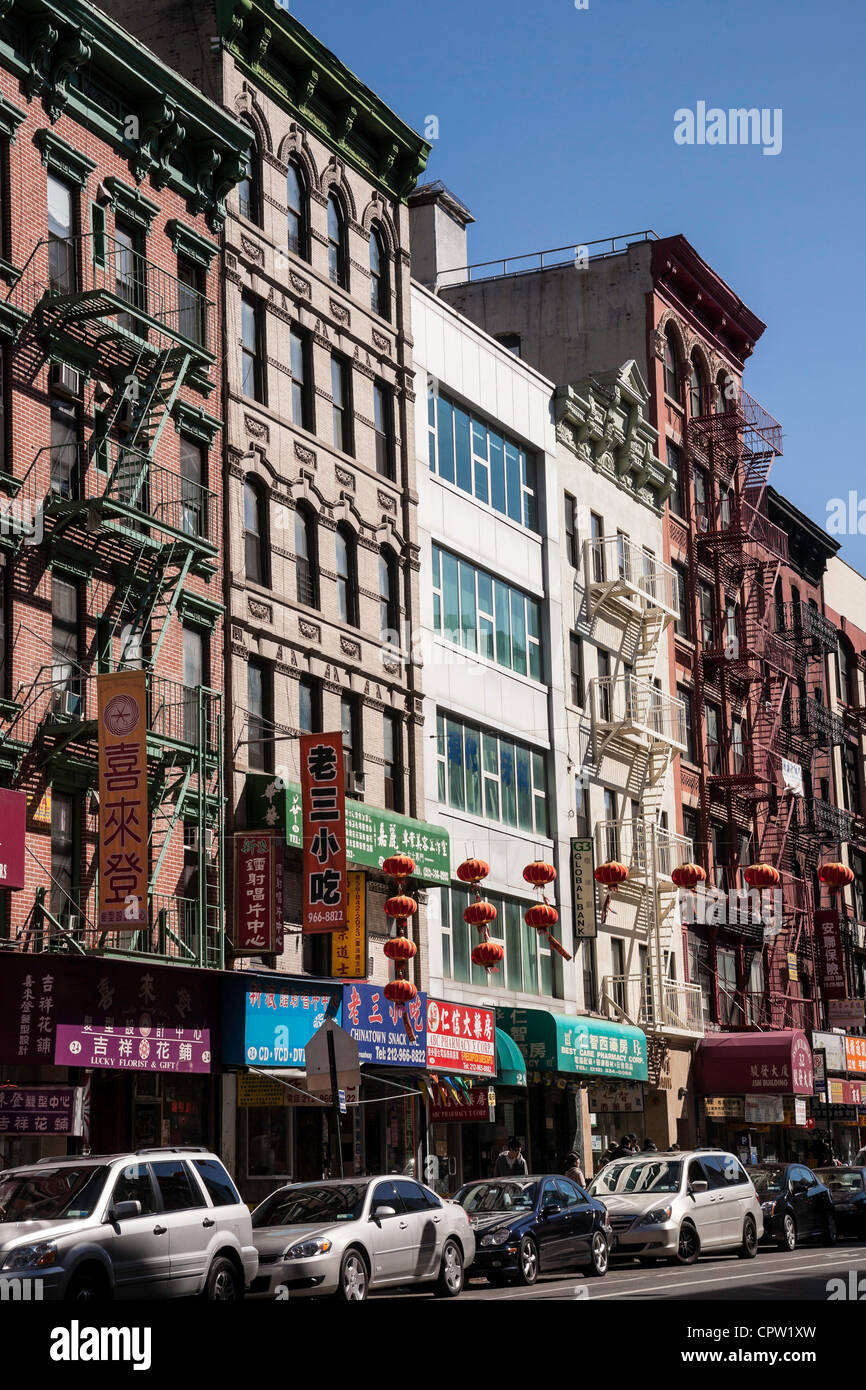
359 783
74 924
64 380
66 703
193 839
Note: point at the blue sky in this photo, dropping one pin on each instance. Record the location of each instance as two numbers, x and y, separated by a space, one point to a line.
556 127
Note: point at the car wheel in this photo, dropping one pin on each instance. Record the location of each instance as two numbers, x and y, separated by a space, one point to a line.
599 1256
832 1229
527 1261
87 1287
788 1238
749 1248
451 1272
689 1245
223 1283
352 1287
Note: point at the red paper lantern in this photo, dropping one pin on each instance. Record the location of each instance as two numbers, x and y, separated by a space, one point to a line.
400 907
400 991
688 875
538 873
835 876
399 948
472 870
611 874
488 954
541 916
762 875
479 913
399 866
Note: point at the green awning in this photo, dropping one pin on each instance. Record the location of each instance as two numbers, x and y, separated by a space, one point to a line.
577 1045
510 1066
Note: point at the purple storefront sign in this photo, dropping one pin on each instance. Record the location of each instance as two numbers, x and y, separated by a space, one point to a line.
13 824
40 1110
133 1049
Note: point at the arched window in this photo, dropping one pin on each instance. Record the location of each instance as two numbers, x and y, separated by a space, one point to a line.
389 605
306 557
726 393
672 366
255 532
249 188
336 242
347 576
296 203
696 387
380 296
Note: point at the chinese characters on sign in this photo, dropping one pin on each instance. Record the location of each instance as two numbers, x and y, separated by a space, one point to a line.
133 1049
460 1038
255 893
377 1026
277 1027
855 1055
13 823
324 815
40 1110
446 1110
831 958
583 889
123 816
349 947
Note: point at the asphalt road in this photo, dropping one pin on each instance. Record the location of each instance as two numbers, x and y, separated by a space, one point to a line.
773 1276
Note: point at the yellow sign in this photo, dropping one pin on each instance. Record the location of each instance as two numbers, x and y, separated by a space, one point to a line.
349 948
724 1107
793 973
40 811
123 817
261 1090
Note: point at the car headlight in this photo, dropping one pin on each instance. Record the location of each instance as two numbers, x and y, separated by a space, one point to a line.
655 1218
32 1256
768 1208
497 1237
306 1248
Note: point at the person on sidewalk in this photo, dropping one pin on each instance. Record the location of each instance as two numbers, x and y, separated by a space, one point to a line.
573 1169
511 1163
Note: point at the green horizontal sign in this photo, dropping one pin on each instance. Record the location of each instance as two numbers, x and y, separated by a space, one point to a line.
372 833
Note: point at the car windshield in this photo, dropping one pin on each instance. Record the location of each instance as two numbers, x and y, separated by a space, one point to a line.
842 1184
313 1205
498 1196
659 1175
768 1180
48 1194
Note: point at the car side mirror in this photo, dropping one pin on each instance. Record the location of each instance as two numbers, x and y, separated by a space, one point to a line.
699 1185
551 1208
121 1211
378 1212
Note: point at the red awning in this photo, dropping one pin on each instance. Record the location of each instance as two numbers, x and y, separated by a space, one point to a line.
769 1064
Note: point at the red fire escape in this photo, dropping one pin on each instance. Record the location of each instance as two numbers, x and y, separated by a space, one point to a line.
760 674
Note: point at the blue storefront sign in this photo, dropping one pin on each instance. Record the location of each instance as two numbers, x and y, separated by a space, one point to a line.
378 1027
270 1029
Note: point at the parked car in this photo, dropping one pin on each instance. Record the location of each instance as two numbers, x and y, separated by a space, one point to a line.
157 1223
847 1188
531 1225
676 1205
350 1237
796 1204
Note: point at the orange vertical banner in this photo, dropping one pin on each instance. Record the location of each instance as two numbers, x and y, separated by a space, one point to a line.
123 816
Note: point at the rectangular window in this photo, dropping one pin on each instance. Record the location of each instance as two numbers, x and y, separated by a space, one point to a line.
714 751
726 965
701 513
576 652
64 812
309 706
302 398
685 694
190 300
682 626
611 828
5 664
64 448
527 963
64 636
260 747
353 754
194 677
690 829
252 349
4 413
706 605
62 261
858 887
491 777
130 283
676 500
467 451
341 395
193 516
383 421
392 730
596 526
484 615
570 531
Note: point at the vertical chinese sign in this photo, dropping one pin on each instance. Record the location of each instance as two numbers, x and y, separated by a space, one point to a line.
123 816
255 893
831 956
349 947
323 798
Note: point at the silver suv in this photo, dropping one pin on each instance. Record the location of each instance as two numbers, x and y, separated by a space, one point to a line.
157 1223
674 1205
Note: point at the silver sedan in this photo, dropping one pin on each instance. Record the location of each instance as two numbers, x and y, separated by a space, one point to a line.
348 1238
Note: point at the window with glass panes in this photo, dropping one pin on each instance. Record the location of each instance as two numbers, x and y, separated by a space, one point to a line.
486 775
527 966
676 501
465 450
485 615
383 423
252 376
858 887
685 694
682 626
392 731
341 397
576 655
309 705
4 665
194 517
300 363
570 531
260 747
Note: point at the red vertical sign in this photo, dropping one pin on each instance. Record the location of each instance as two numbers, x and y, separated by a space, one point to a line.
255 915
323 796
13 825
831 957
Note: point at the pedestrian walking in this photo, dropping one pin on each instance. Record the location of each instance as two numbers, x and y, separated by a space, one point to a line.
573 1169
650 1146
511 1162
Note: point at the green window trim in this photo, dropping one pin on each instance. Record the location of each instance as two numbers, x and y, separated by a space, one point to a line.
485 615
10 119
199 612
60 158
196 423
189 243
491 777
130 202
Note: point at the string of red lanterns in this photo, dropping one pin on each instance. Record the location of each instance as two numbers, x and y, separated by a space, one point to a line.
542 916
399 948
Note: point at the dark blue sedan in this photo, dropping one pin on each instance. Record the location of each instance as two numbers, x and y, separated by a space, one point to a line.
847 1188
530 1225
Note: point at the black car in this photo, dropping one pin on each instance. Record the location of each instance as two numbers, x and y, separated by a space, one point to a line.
847 1188
796 1204
530 1225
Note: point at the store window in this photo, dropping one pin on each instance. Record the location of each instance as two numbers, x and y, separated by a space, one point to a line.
268 1141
